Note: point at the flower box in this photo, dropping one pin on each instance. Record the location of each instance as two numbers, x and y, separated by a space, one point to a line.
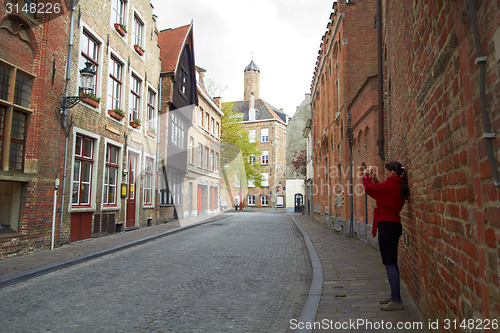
120 28
138 49
90 99
116 114
135 123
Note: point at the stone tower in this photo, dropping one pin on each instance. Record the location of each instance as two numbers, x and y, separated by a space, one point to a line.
252 78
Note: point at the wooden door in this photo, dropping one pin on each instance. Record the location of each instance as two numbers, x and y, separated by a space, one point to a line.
132 189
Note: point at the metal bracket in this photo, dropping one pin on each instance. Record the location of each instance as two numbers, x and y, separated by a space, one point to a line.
481 59
69 102
489 136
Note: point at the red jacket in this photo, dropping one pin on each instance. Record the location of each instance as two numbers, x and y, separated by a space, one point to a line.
388 197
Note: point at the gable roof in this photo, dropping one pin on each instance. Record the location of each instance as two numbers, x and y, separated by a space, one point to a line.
266 110
171 43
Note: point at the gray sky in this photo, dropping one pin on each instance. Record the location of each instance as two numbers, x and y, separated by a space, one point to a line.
283 35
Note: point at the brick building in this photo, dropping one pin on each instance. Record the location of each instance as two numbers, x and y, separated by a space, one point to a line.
438 114
202 181
444 126
33 57
267 125
342 96
111 149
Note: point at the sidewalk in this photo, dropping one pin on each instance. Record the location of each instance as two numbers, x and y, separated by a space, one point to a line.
353 281
21 268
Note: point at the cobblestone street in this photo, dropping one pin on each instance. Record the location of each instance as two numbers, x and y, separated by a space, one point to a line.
248 272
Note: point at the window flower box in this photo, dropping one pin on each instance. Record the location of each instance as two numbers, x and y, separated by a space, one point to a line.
139 49
117 114
151 132
136 123
90 99
121 29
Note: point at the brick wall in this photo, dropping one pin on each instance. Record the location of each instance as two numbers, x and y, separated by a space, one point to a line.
451 225
40 49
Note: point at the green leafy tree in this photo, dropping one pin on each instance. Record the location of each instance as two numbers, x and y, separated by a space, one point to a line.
234 140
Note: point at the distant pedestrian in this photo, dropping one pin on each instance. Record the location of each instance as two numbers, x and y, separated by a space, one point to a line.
390 197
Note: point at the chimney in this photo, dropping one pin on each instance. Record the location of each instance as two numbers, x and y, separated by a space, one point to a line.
217 101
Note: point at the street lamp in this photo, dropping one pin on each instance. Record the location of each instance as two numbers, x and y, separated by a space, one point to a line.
87 76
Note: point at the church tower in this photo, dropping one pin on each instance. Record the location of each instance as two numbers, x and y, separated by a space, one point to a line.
252 78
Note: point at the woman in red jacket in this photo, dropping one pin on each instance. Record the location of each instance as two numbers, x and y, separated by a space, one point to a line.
390 197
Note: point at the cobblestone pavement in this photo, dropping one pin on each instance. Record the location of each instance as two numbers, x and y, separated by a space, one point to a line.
249 272
354 279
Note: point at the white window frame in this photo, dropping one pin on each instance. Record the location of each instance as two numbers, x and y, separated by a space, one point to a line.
118 145
133 95
110 101
145 185
93 189
264 201
265 179
264 135
264 160
81 63
200 155
251 135
137 18
251 200
151 122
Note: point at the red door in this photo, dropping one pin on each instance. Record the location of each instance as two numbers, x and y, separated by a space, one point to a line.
132 165
81 226
212 198
200 196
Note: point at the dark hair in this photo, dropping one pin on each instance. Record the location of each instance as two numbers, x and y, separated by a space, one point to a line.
400 171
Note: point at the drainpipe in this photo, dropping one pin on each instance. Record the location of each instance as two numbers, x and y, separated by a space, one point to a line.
351 175
65 116
380 76
488 134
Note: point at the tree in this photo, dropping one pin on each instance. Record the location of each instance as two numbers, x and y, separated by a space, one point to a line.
234 140
299 163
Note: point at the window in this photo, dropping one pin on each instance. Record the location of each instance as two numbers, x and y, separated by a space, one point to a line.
217 129
10 205
236 181
211 160
82 170
251 135
191 148
207 122
265 157
119 11
110 175
200 155
251 159
148 182
200 117
14 115
89 53
251 183
264 200
183 82
212 126
217 165
151 115
265 179
138 31
206 158
171 187
177 131
135 99
251 200
115 83
264 135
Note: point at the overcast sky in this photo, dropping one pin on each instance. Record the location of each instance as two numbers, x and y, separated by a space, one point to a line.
283 35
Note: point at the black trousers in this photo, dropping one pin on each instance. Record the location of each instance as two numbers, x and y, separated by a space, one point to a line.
388 239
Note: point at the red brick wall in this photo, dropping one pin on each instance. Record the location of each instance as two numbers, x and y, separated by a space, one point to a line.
450 256
34 50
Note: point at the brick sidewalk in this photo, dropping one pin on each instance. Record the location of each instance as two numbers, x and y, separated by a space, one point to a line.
354 279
